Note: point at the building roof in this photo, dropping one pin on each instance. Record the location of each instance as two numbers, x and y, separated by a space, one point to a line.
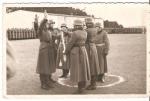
25 19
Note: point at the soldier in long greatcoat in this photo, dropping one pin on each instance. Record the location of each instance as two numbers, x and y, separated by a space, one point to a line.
46 61
102 45
79 63
92 53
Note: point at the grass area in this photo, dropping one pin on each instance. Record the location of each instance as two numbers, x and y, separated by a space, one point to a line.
127 58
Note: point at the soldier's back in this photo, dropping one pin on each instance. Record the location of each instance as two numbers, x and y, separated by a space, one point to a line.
81 35
91 34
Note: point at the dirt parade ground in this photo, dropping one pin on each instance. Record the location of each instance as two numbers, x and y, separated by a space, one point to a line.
126 68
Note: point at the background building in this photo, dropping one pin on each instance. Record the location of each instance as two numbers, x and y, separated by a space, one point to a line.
25 19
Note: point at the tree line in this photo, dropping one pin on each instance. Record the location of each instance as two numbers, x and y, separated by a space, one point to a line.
112 24
55 10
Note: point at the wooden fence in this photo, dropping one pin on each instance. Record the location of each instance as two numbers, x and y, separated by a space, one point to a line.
20 34
126 30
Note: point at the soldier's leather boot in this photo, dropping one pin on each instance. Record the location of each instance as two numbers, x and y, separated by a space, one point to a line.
43 82
65 73
92 86
50 81
50 84
81 87
101 78
45 87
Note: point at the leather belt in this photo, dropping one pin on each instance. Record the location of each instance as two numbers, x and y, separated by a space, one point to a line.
79 45
102 44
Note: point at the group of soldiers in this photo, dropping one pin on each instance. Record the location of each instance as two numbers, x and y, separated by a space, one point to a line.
81 52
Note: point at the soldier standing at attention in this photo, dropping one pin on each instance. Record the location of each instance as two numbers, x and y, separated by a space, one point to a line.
79 63
102 45
92 53
64 38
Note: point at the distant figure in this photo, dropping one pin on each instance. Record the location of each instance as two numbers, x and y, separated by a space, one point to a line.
36 26
79 63
11 62
92 53
102 45
46 59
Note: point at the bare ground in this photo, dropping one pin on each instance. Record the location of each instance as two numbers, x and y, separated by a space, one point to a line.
127 58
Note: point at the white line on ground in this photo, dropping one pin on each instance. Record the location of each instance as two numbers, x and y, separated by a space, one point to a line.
120 80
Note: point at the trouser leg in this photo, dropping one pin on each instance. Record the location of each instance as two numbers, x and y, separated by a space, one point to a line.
65 72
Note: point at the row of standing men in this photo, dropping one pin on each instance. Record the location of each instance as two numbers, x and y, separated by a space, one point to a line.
82 52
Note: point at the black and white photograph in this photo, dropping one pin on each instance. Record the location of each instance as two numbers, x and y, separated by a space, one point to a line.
75 49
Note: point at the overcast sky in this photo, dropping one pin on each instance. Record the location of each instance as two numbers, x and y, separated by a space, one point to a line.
127 15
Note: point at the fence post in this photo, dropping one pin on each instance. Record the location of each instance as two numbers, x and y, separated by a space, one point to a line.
28 34
23 34
8 34
19 34
11 33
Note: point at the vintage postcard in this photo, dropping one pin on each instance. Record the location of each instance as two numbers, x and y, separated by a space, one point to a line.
76 49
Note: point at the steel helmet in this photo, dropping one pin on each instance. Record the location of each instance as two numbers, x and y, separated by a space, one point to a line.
97 24
88 20
78 22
